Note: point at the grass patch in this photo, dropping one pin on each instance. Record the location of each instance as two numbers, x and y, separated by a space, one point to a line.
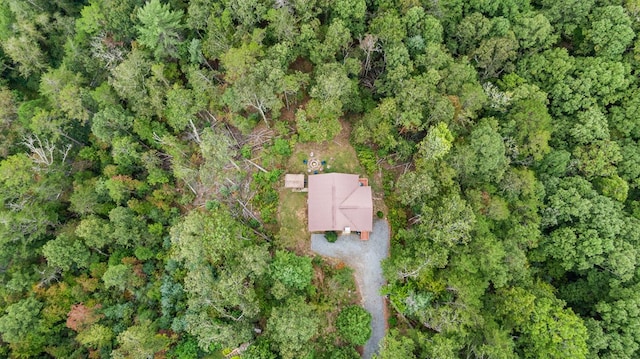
340 157
292 217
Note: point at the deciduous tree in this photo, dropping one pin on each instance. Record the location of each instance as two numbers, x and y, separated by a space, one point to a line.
291 326
610 32
66 251
354 325
140 342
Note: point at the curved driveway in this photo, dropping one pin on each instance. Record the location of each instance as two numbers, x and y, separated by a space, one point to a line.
365 258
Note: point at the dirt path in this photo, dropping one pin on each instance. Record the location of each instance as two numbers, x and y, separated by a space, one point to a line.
365 258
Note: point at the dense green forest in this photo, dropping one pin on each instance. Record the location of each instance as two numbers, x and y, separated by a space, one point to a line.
143 144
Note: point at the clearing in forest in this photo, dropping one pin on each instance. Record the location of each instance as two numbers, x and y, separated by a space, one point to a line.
339 156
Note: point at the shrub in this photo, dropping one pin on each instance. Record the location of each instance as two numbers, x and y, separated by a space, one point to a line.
266 198
212 205
245 151
367 158
331 236
354 325
282 147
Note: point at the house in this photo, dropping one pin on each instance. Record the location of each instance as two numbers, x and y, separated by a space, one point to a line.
340 202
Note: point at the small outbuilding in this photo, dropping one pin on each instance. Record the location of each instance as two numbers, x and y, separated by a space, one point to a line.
295 181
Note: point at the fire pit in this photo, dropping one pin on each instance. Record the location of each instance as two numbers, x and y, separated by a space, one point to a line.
314 164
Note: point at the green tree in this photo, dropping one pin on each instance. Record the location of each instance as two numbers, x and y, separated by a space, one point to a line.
96 336
534 32
484 158
397 346
114 18
613 333
260 83
547 328
354 324
377 127
20 321
569 16
121 277
212 332
161 29
293 271
65 89
591 126
125 152
95 231
282 23
127 228
494 55
598 158
336 39
416 96
291 326
111 122
66 251
399 68
221 309
316 129
422 28
26 52
554 332
388 27
332 87
470 32
140 342
611 31
181 108
205 237
259 90
29 192
352 12
593 80
527 123
128 81
613 187
248 12
436 144
461 81
586 230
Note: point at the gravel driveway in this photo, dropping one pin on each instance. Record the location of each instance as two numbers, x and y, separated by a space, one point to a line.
364 257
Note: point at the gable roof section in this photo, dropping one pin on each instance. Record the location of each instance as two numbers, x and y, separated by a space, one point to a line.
358 209
336 201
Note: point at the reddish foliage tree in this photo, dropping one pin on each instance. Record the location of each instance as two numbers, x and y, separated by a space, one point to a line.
81 316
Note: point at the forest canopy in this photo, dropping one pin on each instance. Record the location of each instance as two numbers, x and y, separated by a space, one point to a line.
143 145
